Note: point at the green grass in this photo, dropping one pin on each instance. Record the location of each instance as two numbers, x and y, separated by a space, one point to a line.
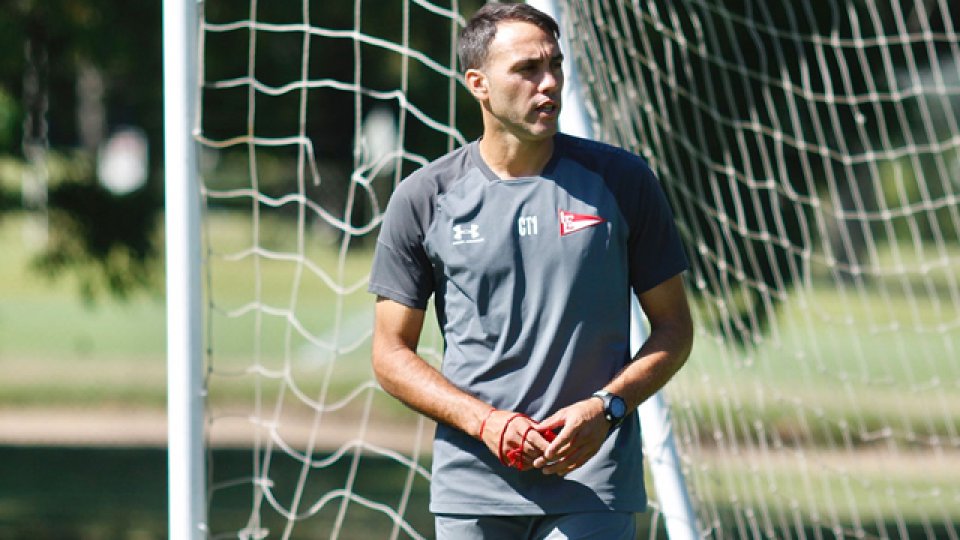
56 350
843 374
857 361
849 365
47 494
284 313
865 485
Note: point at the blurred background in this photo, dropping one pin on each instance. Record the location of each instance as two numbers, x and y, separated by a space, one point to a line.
82 312
82 315
81 278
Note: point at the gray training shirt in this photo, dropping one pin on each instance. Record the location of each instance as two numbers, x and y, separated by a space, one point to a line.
531 278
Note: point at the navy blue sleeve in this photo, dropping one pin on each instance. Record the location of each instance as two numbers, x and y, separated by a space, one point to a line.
655 249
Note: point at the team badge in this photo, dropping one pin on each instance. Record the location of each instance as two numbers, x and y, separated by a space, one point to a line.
571 223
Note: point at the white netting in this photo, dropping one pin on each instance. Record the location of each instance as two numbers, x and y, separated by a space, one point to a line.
812 154
311 113
811 151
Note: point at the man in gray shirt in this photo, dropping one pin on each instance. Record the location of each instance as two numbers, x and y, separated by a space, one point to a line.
531 243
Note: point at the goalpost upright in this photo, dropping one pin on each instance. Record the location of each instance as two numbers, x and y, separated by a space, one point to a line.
186 491
810 152
185 406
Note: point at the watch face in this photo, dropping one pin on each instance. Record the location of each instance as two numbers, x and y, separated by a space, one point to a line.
618 409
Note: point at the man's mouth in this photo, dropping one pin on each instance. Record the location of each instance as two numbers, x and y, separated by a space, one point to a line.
547 107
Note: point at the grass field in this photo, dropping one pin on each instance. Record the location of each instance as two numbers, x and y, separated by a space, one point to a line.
807 381
56 350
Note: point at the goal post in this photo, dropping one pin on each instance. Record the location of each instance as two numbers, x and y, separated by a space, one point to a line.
811 154
186 501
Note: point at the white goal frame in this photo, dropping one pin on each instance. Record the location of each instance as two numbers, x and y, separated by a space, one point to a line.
185 392
810 153
185 403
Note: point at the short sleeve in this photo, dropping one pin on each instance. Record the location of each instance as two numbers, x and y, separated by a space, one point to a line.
656 250
401 270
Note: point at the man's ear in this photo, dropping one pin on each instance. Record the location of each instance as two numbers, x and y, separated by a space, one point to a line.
476 83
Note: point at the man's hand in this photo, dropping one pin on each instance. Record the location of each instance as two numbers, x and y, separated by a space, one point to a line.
584 428
514 438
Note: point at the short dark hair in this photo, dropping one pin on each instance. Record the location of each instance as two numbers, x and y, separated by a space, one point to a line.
480 30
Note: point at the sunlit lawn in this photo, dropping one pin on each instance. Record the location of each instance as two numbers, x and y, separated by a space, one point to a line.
298 305
291 313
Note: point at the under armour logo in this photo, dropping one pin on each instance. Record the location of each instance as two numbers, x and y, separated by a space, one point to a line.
466 234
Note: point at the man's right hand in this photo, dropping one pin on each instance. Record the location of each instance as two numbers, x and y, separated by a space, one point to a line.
513 438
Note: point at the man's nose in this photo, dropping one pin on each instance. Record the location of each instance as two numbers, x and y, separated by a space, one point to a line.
551 81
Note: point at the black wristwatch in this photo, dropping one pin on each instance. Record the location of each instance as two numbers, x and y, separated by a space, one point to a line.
614 407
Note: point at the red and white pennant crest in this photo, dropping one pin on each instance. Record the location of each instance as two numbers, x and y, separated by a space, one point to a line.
571 223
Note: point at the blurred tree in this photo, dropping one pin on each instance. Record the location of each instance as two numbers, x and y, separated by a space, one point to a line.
84 68
333 118
741 59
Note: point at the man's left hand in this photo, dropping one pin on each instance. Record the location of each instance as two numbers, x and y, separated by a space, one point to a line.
582 429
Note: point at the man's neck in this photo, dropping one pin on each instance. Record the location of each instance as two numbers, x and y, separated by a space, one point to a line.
509 157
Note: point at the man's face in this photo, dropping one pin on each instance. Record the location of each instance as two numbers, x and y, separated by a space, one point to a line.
523 78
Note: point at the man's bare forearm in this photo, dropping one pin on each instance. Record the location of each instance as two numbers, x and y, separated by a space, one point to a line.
665 350
662 355
418 385
405 375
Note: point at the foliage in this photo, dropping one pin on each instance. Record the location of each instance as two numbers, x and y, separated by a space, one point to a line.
56 39
748 114
108 240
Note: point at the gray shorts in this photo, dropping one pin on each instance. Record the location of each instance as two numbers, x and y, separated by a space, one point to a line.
575 526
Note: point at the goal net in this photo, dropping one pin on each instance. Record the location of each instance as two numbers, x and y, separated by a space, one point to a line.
811 151
311 112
